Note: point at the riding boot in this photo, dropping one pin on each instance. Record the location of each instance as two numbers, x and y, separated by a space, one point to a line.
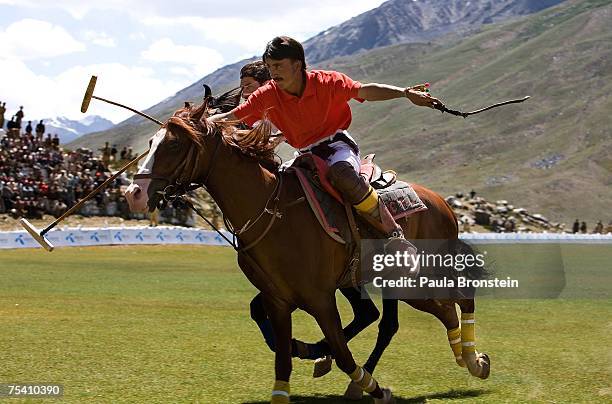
375 212
364 199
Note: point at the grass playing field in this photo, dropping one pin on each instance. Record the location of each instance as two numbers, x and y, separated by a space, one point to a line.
171 324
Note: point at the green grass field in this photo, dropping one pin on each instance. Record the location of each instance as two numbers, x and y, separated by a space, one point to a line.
171 324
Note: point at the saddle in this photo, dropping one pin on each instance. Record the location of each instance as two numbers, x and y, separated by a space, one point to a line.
336 217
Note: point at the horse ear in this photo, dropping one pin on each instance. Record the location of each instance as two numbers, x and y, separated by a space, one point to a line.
227 101
207 91
174 125
199 111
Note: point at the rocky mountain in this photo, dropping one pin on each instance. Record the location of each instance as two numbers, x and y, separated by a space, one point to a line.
69 130
399 21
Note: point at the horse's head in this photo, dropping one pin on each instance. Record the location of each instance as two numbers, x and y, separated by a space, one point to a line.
183 150
175 156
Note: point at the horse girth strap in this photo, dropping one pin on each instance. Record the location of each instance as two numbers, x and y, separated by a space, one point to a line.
274 212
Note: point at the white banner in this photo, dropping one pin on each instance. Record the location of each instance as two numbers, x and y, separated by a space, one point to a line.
536 238
68 237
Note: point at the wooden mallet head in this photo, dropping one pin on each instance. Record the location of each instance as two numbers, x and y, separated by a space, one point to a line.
88 93
36 235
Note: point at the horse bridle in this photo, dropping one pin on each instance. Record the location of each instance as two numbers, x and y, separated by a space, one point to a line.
183 183
174 190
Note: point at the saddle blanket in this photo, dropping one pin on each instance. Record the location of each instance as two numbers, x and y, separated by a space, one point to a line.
399 197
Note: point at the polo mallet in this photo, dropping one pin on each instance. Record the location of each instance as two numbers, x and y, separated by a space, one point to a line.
442 108
39 236
89 95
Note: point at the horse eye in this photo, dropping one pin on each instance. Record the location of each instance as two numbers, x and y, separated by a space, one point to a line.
174 144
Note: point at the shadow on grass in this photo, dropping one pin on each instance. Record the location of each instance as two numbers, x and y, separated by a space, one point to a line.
331 399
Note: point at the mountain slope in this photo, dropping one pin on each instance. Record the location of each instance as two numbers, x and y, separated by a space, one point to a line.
552 154
69 130
398 21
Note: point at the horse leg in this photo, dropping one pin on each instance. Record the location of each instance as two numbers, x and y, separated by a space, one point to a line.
280 318
387 327
477 363
364 314
447 314
329 321
259 315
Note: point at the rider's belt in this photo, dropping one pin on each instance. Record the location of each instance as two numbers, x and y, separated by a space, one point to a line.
322 147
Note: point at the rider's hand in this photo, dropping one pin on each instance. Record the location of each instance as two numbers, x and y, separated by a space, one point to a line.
421 99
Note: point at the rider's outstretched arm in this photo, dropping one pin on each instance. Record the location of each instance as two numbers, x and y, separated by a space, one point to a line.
381 92
228 116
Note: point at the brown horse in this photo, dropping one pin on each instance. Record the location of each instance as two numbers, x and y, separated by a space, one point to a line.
284 251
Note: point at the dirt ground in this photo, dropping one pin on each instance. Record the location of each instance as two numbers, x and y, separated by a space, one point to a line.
7 223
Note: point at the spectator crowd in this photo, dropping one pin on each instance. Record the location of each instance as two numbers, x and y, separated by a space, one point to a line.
38 177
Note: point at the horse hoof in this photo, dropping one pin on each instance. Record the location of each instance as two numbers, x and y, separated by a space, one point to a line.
322 366
353 392
485 364
279 400
387 397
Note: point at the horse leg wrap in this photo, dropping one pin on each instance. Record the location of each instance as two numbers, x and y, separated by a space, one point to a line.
280 392
468 333
454 339
364 379
468 342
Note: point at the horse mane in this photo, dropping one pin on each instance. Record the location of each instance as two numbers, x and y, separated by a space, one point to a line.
185 119
253 143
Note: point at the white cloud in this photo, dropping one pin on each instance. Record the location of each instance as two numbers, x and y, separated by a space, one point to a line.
182 71
263 9
100 39
251 34
61 95
30 39
134 36
200 59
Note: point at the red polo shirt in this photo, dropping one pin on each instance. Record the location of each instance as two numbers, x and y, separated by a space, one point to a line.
320 111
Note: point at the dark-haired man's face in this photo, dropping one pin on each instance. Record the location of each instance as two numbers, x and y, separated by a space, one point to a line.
249 85
285 72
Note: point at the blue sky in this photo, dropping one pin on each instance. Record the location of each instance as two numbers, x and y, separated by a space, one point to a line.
141 50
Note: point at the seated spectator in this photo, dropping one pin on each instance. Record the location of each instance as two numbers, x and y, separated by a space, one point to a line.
38 177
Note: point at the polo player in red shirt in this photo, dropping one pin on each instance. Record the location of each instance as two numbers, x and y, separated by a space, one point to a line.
311 109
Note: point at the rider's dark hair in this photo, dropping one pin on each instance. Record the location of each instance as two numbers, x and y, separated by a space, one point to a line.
257 70
284 47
